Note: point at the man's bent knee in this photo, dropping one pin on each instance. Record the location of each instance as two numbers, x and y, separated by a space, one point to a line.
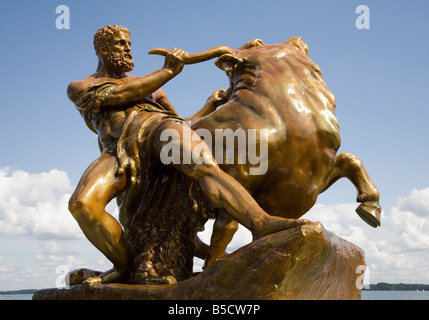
80 209
75 207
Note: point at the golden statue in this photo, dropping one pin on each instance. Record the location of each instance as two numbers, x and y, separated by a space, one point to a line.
276 97
129 114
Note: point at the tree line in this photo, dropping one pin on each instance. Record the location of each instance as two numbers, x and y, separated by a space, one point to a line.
398 286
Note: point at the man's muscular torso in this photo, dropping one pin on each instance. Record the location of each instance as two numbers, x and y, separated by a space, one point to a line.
108 123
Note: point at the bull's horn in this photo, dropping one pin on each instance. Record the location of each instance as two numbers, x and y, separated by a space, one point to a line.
200 56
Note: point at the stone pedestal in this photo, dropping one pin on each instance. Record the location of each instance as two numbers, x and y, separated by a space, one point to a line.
302 263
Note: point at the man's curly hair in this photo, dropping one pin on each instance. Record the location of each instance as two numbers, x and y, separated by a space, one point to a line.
103 35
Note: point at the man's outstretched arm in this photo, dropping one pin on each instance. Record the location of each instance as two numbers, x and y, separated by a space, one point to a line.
135 89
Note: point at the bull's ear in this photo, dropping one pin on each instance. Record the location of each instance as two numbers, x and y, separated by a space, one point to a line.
228 62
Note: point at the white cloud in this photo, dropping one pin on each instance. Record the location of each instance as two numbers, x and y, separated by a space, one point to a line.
37 233
36 204
395 252
417 202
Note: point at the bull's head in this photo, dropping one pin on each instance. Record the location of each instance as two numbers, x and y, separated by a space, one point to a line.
252 54
230 61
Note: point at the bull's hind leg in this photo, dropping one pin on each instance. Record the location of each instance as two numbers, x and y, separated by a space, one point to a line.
351 167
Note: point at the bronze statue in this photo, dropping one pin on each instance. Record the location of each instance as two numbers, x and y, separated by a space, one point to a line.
277 95
129 115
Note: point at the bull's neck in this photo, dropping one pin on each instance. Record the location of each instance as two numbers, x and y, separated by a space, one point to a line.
245 79
247 87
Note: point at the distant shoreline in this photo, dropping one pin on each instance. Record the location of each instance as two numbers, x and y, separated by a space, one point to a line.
23 291
398 286
381 286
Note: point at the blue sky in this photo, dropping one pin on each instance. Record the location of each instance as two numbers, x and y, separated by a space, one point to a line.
379 77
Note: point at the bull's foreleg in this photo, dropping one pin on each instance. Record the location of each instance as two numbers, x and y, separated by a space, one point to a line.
351 167
224 229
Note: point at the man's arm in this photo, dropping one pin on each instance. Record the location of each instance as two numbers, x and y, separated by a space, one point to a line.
136 89
218 98
76 89
71 91
160 97
131 91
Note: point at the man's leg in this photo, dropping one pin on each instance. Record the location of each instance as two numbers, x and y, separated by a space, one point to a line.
221 189
97 187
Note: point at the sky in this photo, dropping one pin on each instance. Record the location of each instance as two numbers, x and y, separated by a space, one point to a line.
378 75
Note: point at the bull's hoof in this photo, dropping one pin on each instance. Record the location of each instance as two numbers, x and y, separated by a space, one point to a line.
370 212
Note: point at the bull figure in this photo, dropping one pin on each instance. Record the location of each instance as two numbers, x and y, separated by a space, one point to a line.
279 91
276 94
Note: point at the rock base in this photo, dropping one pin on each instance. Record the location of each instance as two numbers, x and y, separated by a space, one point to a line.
302 263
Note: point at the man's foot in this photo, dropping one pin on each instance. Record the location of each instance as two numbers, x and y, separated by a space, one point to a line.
110 276
78 276
275 224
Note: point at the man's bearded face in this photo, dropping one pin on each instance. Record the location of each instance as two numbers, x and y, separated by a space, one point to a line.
118 56
120 62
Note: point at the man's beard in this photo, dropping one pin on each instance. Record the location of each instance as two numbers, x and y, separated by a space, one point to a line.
119 64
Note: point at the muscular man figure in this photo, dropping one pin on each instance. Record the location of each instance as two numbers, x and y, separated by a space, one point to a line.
129 114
